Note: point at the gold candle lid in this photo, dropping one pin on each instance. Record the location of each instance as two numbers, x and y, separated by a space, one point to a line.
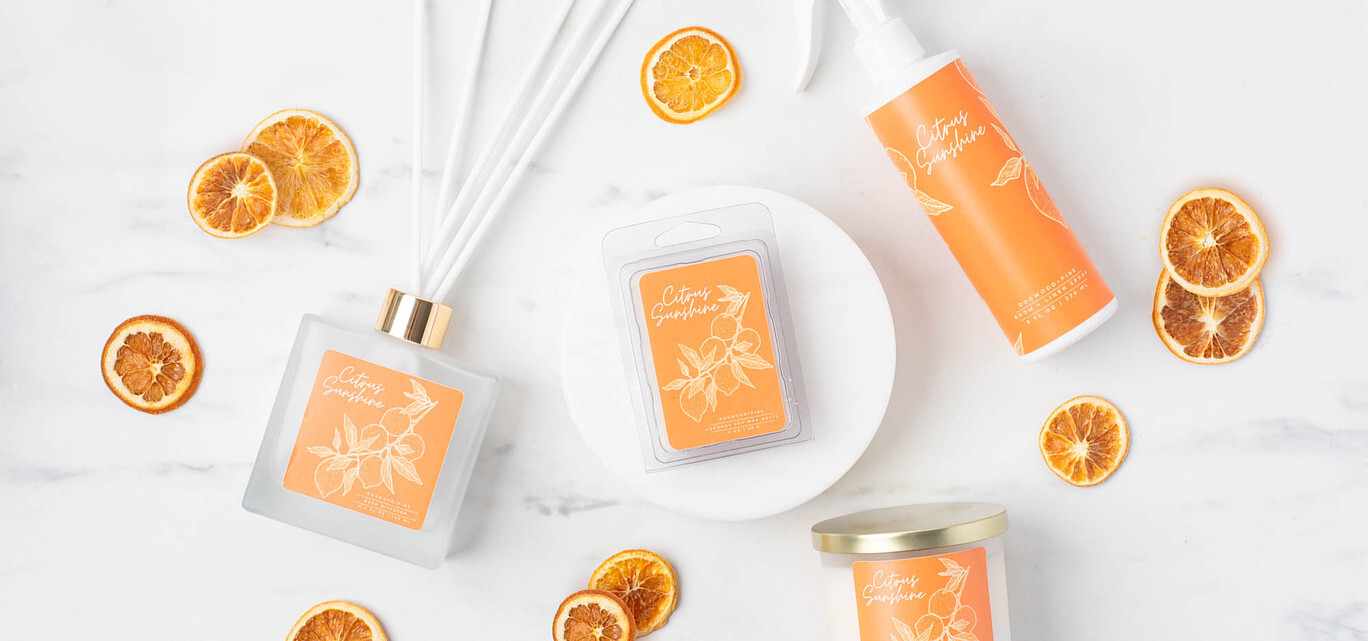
414 319
909 528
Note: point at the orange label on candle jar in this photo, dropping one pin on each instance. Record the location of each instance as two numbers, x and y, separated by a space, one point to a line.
932 598
712 352
985 199
373 440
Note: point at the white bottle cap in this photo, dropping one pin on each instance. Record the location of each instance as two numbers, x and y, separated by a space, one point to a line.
887 48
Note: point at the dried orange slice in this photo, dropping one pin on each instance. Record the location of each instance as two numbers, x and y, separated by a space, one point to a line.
151 363
593 615
644 581
689 74
336 621
1213 243
1206 329
1084 440
313 162
232 195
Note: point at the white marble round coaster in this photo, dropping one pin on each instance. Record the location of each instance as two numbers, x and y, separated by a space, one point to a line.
846 347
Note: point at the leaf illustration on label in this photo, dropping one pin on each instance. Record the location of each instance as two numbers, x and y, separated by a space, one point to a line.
904 630
337 441
932 206
387 474
1017 345
752 361
349 479
711 392
349 429
683 369
675 384
418 388
1006 140
405 468
1011 170
691 356
1042 201
319 450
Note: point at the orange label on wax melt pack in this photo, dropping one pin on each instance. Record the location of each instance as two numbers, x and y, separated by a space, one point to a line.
932 598
373 440
986 201
711 350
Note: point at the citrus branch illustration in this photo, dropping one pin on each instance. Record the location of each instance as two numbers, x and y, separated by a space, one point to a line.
376 452
720 363
932 206
946 618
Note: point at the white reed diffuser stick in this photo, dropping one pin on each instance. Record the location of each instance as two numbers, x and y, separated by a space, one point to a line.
483 223
455 217
419 79
464 104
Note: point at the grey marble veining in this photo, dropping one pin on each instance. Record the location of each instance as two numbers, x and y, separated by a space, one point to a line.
1240 512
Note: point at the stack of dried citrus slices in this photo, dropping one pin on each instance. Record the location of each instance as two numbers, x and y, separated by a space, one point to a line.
1209 305
630 595
296 169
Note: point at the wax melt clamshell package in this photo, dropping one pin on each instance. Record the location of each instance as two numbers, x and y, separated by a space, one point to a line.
706 335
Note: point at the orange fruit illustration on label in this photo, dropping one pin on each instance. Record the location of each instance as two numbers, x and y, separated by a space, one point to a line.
725 326
1207 329
1212 242
312 161
720 364
942 603
1018 167
941 623
593 615
151 363
1084 440
232 195
929 626
688 74
932 206
375 453
964 619
336 621
644 581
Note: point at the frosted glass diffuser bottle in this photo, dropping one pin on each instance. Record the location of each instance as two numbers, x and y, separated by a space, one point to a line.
374 434
975 184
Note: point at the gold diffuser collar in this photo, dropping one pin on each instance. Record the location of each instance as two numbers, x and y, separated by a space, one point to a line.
414 319
909 528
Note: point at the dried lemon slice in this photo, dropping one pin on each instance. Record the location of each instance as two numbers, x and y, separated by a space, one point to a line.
644 581
1213 243
1207 329
313 162
593 615
151 363
689 74
336 621
1084 440
232 195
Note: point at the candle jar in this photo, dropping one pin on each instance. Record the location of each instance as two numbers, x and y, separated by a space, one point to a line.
931 572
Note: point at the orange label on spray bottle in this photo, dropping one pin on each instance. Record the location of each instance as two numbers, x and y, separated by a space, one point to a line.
373 440
986 201
933 598
711 350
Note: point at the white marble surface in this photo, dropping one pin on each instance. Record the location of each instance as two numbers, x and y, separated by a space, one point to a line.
1239 514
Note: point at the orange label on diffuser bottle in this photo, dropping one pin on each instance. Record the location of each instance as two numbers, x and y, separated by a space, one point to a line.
932 598
711 351
373 440
986 201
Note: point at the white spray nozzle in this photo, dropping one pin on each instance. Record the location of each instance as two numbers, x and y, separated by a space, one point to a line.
885 45
867 15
